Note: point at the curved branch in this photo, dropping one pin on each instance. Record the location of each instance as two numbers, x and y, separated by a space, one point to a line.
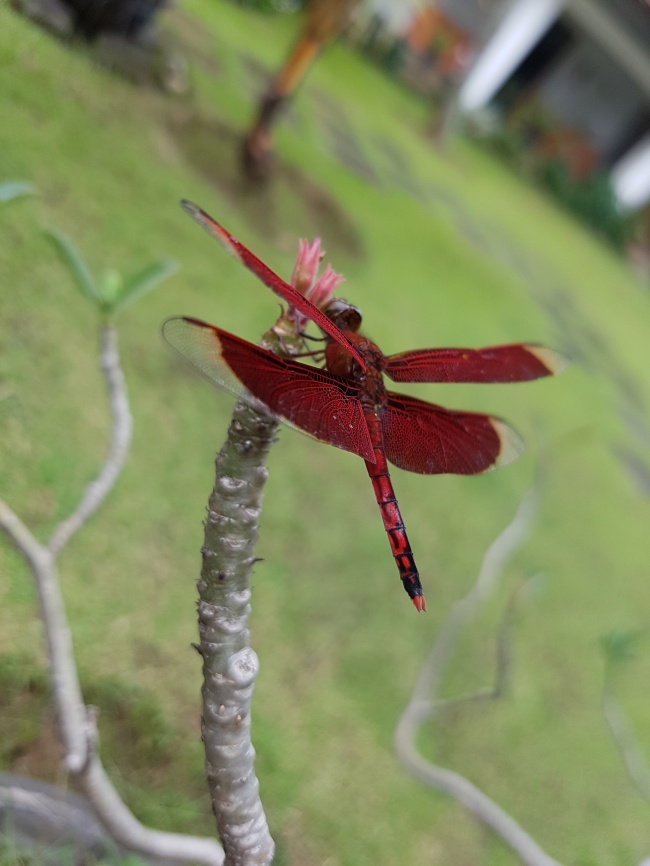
424 699
502 548
230 666
619 728
497 690
122 429
71 712
77 726
478 803
125 828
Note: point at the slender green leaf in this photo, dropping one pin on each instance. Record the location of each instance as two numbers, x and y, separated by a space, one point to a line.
11 189
139 284
76 265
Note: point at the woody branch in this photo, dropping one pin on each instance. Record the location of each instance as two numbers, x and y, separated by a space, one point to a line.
425 699
76 723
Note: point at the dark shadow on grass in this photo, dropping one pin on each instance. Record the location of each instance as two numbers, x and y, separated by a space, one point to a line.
140 747
291 206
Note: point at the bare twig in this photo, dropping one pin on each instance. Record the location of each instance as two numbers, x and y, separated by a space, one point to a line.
497 690
121 432
77 729
125 828
230 666
635 763
428 684
71 711
76 724
485 809
424 699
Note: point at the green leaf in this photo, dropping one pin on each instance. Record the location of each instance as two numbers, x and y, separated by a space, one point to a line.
76 265
620 646
111 287
11 189
144 281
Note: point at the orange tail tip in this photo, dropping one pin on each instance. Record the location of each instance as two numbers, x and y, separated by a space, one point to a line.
420 603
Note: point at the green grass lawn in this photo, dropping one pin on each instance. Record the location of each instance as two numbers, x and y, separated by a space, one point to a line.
437 250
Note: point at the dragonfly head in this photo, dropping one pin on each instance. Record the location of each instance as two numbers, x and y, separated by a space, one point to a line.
345 316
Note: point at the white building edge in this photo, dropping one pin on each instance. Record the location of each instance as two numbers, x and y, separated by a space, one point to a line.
603 83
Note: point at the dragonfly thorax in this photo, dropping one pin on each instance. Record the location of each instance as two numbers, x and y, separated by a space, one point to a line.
340 362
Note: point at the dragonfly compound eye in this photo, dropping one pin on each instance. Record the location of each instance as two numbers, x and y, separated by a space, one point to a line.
345 316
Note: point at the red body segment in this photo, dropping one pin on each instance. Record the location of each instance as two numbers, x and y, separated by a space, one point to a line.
391 516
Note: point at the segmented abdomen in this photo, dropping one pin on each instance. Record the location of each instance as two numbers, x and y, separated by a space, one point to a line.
393 523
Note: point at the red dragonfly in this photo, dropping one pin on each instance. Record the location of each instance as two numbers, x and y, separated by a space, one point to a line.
346 403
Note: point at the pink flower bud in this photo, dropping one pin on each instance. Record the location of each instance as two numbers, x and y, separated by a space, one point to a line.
322 291
306 267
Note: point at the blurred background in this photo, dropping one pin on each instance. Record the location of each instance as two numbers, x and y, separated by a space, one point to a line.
480 174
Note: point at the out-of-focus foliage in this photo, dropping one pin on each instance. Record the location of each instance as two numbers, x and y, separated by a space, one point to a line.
113 292
591 199
620 646
272 6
